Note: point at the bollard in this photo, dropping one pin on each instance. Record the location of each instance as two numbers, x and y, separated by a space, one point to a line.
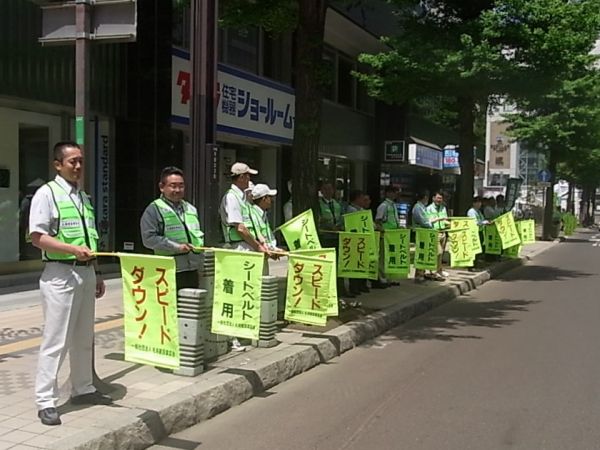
215 345
268 313
191 306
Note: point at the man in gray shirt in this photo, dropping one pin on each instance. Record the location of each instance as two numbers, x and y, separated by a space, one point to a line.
170 226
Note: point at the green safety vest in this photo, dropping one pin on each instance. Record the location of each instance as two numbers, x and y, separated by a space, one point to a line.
330 217
264 228
390 223
74 227
434 213
230 233
186 231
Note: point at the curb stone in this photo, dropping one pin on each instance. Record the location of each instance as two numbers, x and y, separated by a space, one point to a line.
147 425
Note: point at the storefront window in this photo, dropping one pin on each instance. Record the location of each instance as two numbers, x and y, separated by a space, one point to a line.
33 173
338 171
345 81
241 48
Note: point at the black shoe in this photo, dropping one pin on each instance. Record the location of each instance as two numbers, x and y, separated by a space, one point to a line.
94 398
49 416
379 285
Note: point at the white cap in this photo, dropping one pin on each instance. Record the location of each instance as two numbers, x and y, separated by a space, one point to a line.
241 168
250 186
260 190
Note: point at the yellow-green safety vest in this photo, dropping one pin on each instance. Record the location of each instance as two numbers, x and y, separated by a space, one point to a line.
329 217
390 222
186 231
231 234
434 213
75 227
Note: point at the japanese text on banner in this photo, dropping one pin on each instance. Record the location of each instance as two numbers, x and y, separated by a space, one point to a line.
505 224
308 287
329 255
237 293
460 247
492 242
150 310
359 222
526 230
457 223
426 249
396 253
354 250
300 232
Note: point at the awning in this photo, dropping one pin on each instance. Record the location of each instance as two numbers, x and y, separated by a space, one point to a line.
425 143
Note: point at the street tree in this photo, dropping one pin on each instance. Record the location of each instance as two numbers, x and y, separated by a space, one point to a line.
307 19
564 124
473 50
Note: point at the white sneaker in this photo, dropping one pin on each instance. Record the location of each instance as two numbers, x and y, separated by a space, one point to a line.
236 346
444 273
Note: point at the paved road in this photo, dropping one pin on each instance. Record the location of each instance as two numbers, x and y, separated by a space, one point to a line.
513 365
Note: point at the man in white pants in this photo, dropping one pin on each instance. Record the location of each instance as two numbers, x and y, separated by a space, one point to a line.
62 225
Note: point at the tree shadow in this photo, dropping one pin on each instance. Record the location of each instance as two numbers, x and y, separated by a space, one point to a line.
541 273
443 324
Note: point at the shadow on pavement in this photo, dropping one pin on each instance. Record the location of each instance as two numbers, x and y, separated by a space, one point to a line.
176 443
541 273
444 323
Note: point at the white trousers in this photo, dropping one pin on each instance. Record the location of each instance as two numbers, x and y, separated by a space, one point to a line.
68 300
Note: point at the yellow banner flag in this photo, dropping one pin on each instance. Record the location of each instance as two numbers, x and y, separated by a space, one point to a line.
359 221
460 248
396 253
329 255
526 230
505 224
426 248
354 254
237 291
492 241
150 310
300 232
308 287
458 223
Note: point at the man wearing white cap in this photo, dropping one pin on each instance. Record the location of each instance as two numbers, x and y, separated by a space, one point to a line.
262 195
236 222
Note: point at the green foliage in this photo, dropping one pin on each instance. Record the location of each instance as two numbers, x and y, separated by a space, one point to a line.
275 16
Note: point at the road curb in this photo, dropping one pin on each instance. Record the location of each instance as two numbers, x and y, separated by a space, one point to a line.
147 424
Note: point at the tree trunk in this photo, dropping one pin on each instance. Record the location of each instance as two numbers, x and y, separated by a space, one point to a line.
570 205
309 96
465 184
549 206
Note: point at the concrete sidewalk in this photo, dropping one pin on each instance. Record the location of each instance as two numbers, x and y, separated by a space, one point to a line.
150 404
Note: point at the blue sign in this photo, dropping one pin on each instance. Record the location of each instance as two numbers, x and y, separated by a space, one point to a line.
544 176
451 159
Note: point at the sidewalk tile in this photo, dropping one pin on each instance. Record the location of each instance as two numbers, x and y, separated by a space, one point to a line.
18 436
5 445
151 395
24 447
62 431
4 430
41 441
16 423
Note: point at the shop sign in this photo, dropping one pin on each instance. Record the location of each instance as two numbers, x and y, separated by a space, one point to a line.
419 155
103 143
394 151
247 105
451 160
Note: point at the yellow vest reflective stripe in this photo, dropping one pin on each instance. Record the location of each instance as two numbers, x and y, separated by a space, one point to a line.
74 227
183 232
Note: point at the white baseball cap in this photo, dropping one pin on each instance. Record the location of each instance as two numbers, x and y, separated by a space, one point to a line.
241 168
250 186
261 190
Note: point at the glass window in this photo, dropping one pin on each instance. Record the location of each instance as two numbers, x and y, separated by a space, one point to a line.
33 173
181 24
241 48
329 80
345 82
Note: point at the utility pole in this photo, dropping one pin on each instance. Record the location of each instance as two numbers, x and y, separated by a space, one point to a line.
205 156
82 77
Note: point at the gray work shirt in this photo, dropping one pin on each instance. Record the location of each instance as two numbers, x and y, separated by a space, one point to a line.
419 216
152 228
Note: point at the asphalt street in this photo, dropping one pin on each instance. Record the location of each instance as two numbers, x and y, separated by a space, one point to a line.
512 365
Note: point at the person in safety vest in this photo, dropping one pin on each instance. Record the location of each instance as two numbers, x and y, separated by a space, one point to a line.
170 227
438 217
386 218
420 219
262 196
475 213
62 224
239 230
